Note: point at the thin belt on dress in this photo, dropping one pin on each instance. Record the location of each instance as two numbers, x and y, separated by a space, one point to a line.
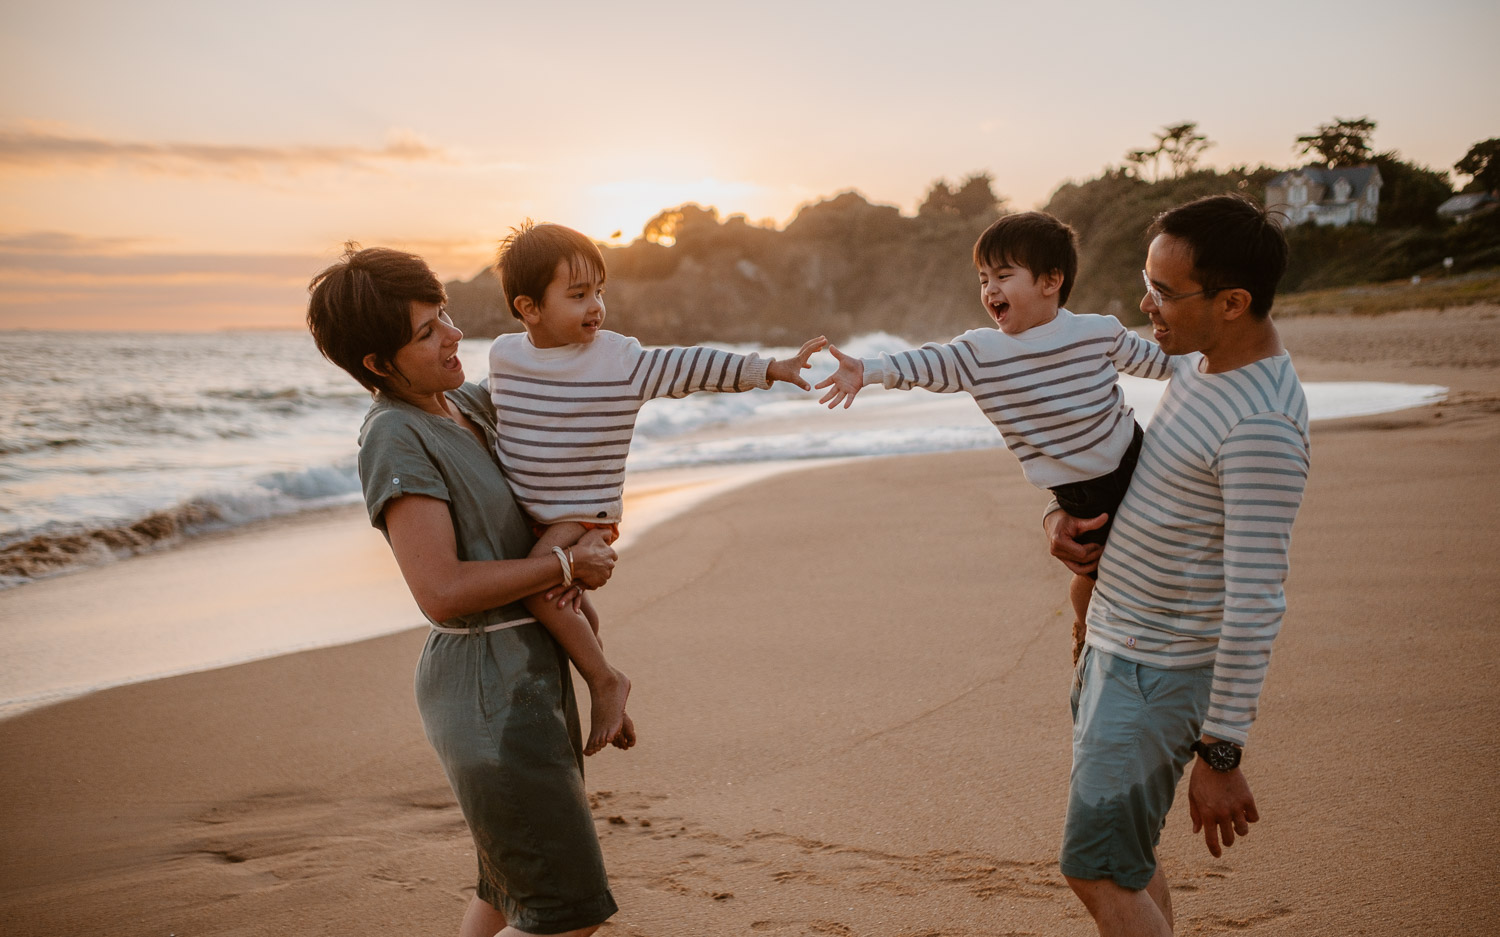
493 627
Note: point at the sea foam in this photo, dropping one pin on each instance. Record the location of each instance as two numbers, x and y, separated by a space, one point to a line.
114 444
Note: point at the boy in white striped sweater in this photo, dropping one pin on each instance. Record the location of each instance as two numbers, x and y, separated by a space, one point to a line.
566 395
1190 593
1046 377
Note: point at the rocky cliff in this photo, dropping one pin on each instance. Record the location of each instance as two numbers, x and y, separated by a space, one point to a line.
843 267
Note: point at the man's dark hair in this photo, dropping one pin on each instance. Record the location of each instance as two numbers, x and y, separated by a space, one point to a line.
1034 240
530 255
1236 244
362 306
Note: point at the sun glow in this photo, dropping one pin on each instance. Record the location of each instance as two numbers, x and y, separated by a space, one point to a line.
624 206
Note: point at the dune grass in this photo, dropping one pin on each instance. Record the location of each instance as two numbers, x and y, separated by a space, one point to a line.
1441 292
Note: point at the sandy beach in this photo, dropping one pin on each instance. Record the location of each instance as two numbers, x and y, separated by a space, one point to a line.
853 707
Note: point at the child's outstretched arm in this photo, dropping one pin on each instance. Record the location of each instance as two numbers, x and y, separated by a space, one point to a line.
1138 356
679 371
844 383
790 369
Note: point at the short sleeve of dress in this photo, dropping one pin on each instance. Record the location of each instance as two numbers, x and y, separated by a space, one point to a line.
393 462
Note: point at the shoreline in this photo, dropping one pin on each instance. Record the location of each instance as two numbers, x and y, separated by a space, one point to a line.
851 687
882 423
70 635
206 570
123 646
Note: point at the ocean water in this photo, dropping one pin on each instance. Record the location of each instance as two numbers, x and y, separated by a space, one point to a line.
119 443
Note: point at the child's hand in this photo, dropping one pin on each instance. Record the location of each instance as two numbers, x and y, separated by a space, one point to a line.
791 369
566 597
844 383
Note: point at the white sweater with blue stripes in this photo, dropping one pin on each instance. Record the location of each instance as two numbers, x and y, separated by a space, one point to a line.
1194 568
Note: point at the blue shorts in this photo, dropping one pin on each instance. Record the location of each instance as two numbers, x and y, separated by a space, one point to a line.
1133 726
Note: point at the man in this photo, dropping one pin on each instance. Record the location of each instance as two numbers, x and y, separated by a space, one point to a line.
1189 596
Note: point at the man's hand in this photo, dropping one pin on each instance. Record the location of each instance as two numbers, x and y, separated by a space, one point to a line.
1221 805
844 383
790 370
1062 531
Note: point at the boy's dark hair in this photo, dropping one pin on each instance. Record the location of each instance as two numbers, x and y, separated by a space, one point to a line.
362 306
1034 240
530 254
1236 244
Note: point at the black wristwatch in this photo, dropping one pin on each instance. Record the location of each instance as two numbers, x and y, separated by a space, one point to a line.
1220 756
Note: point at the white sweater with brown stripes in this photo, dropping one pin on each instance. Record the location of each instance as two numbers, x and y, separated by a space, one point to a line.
565 415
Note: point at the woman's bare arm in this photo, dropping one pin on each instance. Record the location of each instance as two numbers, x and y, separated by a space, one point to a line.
422 538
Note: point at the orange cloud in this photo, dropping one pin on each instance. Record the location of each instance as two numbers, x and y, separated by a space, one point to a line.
61 242
58 280
185 301
136 266
40 150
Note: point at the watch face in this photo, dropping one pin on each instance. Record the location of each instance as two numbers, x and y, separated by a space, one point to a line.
1222 756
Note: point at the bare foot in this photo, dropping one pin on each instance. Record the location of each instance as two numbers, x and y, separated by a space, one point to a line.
606 710
626 738
1080 631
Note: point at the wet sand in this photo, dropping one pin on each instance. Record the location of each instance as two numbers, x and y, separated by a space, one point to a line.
851 685
292 583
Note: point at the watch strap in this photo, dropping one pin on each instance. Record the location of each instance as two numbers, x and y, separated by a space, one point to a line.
1220 756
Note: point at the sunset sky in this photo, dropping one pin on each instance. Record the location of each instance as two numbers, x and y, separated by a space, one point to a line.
189 165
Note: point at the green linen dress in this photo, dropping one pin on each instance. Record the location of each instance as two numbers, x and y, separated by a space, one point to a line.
496 698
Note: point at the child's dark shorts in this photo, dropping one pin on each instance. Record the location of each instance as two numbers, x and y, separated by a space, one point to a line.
1100 495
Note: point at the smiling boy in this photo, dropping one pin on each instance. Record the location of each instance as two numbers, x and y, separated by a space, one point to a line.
566 393
1045 377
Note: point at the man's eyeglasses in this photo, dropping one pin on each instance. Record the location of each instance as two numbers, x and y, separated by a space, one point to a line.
1158 296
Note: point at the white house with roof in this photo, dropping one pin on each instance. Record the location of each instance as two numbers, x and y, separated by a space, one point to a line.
1466 205
1326 196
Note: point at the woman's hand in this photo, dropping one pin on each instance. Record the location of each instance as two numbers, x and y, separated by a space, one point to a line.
593 559
422 538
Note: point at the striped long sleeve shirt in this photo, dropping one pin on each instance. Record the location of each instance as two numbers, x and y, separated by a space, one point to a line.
1195 564
565 415
1052 391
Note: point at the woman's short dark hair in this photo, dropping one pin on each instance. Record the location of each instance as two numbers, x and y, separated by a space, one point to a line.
1034 240
362 306
1236 244
530 254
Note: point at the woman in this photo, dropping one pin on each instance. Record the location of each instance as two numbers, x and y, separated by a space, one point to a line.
492 686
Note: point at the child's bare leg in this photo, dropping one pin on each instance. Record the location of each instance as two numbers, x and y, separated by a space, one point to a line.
625 738
1080 590
608 688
